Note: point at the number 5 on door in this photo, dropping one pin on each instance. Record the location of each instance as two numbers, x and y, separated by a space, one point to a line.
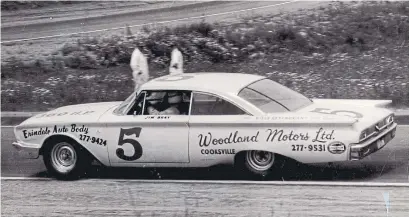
135 144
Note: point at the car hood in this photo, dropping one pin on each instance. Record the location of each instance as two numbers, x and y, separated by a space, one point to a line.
80 113
363 112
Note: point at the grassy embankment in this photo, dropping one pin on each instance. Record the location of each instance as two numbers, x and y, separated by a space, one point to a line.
336 52
23 5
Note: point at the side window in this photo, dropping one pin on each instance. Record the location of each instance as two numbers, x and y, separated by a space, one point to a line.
167 102
206 104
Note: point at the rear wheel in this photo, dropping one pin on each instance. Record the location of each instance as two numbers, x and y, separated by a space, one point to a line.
66 160
259 164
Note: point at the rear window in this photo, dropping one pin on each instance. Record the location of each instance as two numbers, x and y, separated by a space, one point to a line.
270 96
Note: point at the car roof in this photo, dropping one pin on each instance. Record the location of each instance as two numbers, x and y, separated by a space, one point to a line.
213 82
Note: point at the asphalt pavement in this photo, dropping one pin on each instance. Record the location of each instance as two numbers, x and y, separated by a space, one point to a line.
130 198
215 10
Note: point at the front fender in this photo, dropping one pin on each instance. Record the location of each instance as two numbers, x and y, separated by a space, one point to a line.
99 153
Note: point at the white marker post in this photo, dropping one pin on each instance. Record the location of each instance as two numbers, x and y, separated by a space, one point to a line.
176 62
140 68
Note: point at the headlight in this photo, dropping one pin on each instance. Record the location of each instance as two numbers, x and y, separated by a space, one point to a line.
367 133
375 129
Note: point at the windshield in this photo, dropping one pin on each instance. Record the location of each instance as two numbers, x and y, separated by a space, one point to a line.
125 103
270 96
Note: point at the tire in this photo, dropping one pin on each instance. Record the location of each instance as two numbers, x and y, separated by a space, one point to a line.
259 164
66 160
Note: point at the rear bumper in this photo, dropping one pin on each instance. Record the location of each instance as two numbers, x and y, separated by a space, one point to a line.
362 150
26 150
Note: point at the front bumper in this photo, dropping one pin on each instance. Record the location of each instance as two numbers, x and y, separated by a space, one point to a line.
27 150
362 150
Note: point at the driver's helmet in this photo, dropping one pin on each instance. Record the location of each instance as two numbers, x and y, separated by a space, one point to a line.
155 97
174 97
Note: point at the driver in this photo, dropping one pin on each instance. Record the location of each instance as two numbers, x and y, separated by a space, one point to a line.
174 98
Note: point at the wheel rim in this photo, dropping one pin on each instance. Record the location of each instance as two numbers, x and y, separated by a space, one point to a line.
63 157
260 160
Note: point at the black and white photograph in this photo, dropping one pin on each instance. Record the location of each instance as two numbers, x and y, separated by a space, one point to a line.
205 108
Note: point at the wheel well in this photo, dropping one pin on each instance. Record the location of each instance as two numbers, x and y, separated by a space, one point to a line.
61 138
240 155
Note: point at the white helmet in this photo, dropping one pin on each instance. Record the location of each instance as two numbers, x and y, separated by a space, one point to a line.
155 97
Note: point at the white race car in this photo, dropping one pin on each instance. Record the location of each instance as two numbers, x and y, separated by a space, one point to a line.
245 120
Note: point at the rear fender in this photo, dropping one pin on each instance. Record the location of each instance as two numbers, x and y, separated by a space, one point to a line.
302 142
358 102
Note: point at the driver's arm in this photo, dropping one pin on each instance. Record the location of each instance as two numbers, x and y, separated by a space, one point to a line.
153 111
169 111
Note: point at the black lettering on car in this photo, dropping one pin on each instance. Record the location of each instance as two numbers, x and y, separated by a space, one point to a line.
135 144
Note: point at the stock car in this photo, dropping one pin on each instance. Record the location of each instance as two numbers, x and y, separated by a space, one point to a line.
248 121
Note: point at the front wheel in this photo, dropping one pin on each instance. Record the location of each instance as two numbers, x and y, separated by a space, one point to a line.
259 164
66 160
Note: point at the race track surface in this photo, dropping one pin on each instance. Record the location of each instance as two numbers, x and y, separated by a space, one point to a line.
127 198
143 17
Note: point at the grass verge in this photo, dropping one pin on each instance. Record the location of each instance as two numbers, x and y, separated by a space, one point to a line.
343 51
23 5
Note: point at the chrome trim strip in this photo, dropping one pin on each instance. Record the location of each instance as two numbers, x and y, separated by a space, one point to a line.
144 101
190 103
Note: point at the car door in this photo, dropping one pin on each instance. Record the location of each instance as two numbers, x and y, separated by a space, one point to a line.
213 124
137 137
